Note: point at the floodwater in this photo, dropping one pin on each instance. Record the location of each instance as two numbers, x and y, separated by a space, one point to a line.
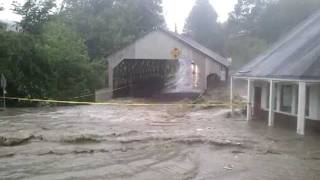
186 78
151 143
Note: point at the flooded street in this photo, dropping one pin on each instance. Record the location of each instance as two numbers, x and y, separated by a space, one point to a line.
113 142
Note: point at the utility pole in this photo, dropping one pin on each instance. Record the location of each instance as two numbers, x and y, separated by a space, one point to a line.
4 85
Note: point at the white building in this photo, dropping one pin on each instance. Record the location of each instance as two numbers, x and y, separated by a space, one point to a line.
286 78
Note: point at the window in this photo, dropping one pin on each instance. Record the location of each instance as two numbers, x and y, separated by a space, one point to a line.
308 101
275 104
286 98
274 96
296 96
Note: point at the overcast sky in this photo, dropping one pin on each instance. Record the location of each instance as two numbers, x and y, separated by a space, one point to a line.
175 11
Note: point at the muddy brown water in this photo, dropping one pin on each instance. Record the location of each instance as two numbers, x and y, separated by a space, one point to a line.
111 142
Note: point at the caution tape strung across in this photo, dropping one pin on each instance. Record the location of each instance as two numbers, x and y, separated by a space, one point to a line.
93 94
222 104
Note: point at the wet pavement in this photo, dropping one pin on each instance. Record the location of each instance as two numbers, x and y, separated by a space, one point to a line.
113 142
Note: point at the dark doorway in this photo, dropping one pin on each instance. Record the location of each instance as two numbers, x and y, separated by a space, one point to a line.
213 81
141 77
257 113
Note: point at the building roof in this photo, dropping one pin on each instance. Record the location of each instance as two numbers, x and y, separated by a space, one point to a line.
195 45
295 56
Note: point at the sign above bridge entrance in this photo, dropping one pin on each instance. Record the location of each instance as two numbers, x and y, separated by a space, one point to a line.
176 53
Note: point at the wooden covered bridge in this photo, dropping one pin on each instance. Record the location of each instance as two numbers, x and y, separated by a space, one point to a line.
144 66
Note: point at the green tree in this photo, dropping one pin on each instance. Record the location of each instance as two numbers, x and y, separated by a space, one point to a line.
255 24
283 15
246 15
34 14
243 49
59 54
202 26
25 71
269 19
70 71
109 25
2 25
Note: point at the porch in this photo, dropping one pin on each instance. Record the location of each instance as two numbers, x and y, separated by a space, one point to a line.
298 99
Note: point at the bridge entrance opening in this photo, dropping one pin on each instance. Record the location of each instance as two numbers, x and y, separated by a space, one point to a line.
142 77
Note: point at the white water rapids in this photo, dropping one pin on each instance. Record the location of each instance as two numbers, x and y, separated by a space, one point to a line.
186 79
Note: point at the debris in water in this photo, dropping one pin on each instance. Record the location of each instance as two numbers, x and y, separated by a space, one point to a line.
237 152
270 151
228 167
80 140
4 141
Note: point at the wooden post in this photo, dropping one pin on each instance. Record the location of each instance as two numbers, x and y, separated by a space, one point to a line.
231 95
301 108
271 103
279 97
3 84
4 98
249 99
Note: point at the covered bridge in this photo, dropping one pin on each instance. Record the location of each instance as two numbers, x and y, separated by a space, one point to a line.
147 62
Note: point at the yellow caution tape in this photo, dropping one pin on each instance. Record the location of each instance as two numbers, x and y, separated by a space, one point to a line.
222 104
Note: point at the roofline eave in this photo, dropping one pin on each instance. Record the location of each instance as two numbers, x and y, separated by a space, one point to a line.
284 79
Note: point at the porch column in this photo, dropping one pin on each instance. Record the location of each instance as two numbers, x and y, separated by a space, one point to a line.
279 97
249 100
271 103
231 95
301 108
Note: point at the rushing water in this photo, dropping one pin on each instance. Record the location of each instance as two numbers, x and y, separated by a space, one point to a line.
185 80
111 142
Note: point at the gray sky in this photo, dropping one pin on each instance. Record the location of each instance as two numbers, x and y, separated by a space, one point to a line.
175 11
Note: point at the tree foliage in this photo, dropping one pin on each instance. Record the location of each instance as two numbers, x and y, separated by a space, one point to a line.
242 49
109 25
263 21
34 14
202 26
70 71
59 52
246 15
2 25
281 16
19 62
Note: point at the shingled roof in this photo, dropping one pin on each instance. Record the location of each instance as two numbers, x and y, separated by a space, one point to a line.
296 56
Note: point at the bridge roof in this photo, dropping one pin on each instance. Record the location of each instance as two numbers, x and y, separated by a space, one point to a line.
197 46
191 44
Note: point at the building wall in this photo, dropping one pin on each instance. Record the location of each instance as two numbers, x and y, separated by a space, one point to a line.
215 68
157 45
314 99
